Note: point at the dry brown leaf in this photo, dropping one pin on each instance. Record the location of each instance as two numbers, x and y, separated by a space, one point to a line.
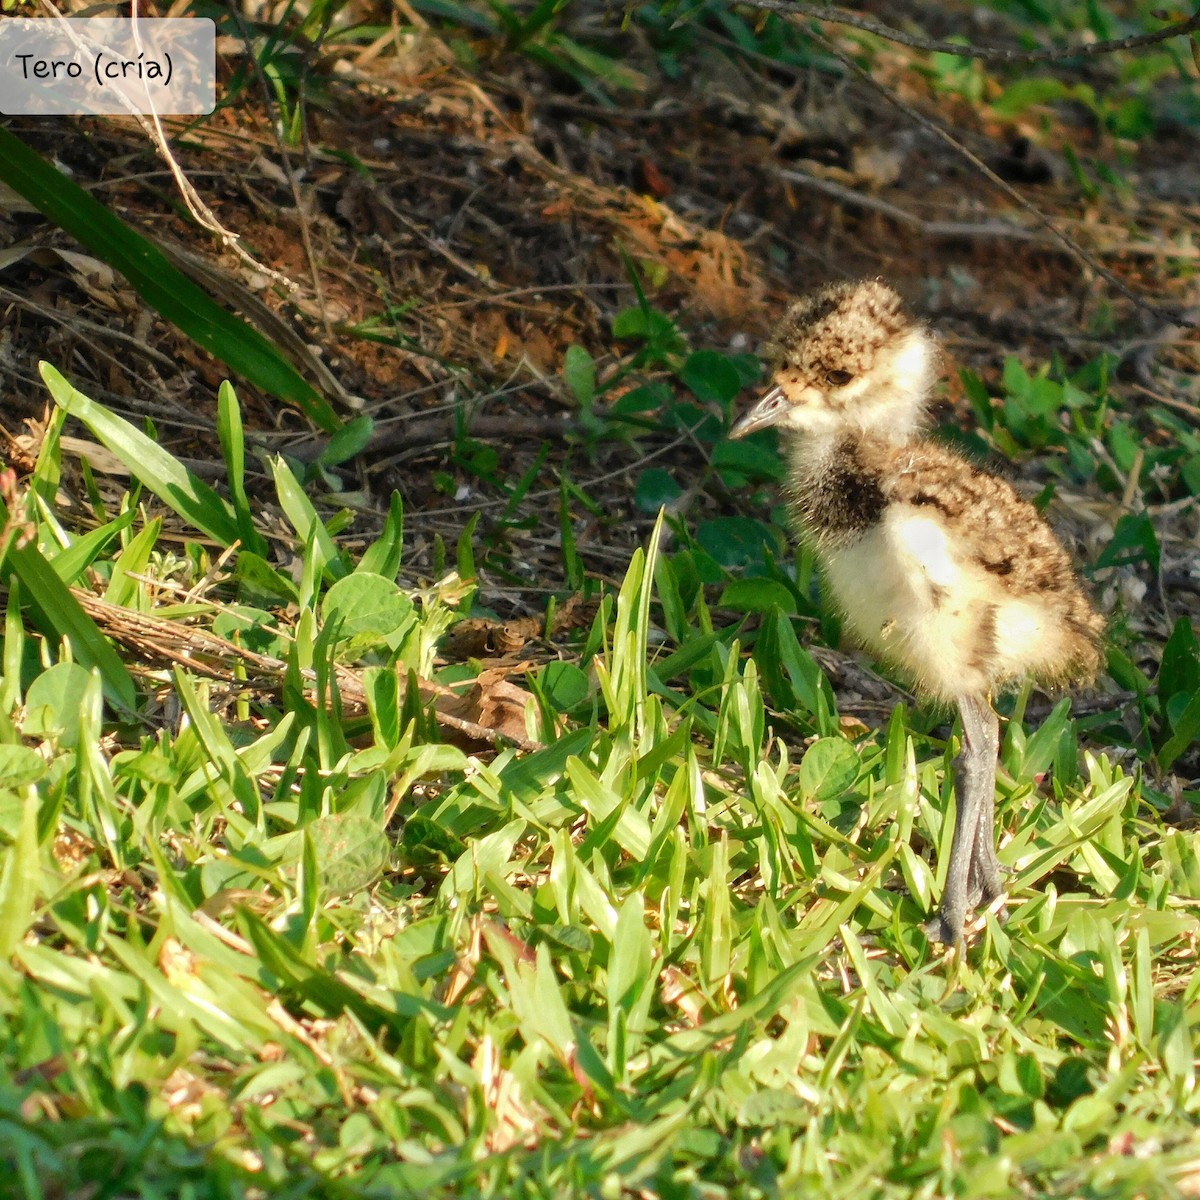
177 963
493 703
517 1118
462 974
483 637
679 990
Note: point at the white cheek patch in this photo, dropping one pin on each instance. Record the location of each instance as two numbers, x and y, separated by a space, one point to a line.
890 399
911 365
815 420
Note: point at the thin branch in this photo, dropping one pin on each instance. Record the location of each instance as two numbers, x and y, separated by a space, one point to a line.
967 230
972 230
158 640
1190 410
841 16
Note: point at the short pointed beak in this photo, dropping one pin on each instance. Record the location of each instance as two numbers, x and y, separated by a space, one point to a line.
766 412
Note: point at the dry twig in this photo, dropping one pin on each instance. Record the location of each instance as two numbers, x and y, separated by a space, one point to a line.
204 652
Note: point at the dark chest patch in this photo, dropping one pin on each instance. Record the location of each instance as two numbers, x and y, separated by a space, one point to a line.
842 499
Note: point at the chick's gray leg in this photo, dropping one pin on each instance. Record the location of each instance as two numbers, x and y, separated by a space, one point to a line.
985 880
974 871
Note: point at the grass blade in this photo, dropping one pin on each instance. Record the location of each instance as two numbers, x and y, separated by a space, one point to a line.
59 616
160 471
164 287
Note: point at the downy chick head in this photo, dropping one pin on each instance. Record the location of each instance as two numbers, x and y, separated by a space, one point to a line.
848 358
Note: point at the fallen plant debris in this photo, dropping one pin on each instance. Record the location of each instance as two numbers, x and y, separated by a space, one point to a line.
426 768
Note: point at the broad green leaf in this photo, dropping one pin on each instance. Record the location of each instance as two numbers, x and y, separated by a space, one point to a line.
737 542
579 370
253 628
71 562
629 969
351 851
1042 745
711 377
793 676
749 459
655 488
425 842
828 769
348 441
1186 730
650 324
370 610
259 582
233 446
384 555
564 685
757 595
123 591
20 765
52 703
20 872
304 520
1180 670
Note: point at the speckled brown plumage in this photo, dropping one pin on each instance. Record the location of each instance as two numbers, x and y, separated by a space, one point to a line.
939 568
840 326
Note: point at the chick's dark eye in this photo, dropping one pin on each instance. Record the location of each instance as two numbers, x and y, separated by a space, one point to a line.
838 378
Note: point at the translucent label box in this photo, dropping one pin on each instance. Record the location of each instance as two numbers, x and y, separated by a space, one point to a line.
61 67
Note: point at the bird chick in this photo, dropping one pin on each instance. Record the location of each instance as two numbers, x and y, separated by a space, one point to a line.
939 568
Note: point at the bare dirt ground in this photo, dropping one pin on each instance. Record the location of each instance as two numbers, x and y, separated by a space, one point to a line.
455 216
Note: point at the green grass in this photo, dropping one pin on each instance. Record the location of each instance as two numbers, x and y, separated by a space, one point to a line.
266 930
257 940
